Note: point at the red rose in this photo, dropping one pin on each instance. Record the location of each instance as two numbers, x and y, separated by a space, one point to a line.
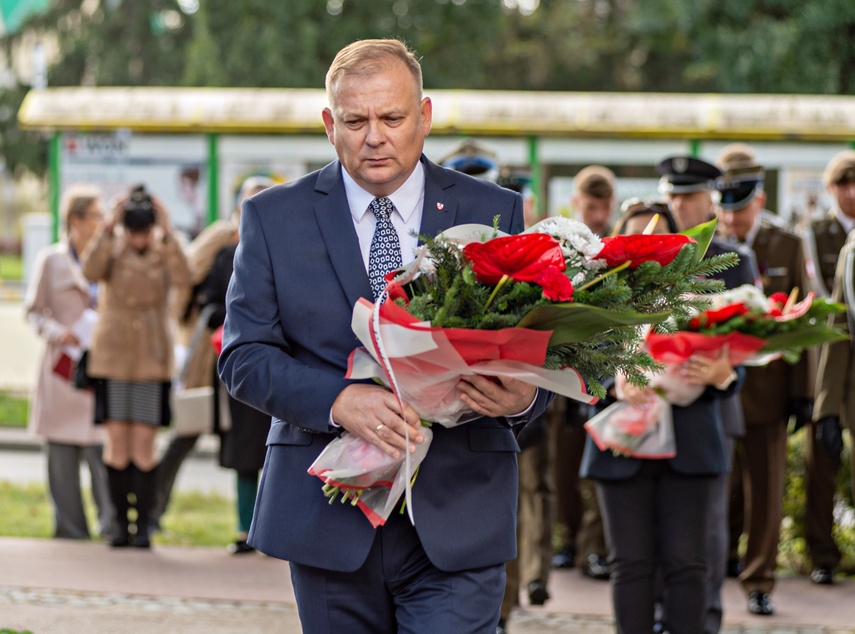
779 298
522 257
639 248
556 286
710 318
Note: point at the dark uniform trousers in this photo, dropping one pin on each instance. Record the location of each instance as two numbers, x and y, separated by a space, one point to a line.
761 457
824 243
577 508
534 511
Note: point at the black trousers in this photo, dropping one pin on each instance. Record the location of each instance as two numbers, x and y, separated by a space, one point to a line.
657 520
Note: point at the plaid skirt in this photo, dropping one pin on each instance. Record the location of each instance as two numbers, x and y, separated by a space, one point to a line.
145 402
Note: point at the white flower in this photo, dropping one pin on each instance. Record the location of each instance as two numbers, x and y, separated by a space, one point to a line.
578 243
747 294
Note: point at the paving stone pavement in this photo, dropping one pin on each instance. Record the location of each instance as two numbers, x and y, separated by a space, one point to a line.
71 587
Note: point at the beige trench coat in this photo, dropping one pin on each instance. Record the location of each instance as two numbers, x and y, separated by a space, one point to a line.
56 298
133 340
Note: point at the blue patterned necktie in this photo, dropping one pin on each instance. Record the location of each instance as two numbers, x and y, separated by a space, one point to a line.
385 252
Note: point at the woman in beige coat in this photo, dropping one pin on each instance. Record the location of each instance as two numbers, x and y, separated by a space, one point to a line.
131 355
56 300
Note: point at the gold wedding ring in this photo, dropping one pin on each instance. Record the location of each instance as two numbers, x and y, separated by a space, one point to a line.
378 428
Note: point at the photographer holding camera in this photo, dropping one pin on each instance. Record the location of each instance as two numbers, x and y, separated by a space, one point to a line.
137 260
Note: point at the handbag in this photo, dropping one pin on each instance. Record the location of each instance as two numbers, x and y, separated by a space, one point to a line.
192 411
80 379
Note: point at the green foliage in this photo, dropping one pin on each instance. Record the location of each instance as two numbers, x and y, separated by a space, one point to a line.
11 268
13 410
792 552
193 519
785 46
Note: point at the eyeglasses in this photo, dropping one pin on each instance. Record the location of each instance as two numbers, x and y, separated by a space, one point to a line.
635 205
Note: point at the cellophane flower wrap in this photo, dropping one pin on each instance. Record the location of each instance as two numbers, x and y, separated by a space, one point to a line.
644 431
757 329
556 307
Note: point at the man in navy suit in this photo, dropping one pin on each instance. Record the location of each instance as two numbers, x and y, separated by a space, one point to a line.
305 258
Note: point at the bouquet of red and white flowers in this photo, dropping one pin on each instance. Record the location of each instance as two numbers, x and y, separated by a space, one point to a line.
556 307
756 328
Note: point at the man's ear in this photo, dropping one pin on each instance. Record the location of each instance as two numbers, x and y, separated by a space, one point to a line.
329 124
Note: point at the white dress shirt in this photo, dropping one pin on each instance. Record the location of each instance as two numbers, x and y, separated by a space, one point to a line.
408 200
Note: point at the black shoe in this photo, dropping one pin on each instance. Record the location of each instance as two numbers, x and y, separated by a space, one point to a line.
502 627
240 547
537 592
734 568
566 558
823 575
659 627
596 568
760 603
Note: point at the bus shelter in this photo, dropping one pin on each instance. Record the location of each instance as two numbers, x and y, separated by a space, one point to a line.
193 146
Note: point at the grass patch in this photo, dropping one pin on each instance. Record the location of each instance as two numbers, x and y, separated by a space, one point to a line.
11 268
193 519
14 410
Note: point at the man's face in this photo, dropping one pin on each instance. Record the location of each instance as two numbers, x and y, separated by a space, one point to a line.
691 209
844 194
738 222
593 212
378 126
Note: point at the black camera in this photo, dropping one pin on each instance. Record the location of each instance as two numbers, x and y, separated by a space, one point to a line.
139 212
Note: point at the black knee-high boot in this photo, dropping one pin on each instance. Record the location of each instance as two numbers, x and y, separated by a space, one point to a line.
120 485
144 484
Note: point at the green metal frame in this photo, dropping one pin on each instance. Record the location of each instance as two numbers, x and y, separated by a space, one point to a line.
213 177
534 163
54 180
695 147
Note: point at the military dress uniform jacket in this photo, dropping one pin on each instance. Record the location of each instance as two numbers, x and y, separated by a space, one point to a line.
767 390
835 383
824 239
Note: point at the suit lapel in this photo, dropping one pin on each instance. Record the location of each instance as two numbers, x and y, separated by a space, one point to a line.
440 208
336 226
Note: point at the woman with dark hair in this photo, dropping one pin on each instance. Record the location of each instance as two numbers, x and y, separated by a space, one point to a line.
137 260
636 213
655 510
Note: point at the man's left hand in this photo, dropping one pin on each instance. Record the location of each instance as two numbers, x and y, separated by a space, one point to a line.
496 396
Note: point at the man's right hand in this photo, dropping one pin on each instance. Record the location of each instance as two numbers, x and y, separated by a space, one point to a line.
372 412
830 437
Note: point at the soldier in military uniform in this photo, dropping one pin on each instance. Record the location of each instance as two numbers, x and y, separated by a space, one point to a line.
761 456
824 243
688 184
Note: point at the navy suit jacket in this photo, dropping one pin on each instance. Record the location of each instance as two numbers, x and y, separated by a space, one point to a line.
698 435
298 273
